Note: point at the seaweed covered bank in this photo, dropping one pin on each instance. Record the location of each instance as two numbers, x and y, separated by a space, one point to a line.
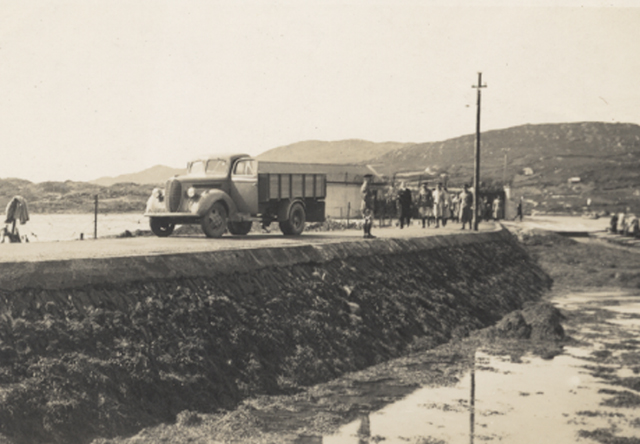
104 347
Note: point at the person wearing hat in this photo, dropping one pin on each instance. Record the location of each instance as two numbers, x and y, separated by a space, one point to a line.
438 205
425 205
404 202
367 206
466 204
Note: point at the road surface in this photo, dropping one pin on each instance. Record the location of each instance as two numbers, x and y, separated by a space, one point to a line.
148 246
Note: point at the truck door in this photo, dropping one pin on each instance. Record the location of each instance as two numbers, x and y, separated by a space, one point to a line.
244 186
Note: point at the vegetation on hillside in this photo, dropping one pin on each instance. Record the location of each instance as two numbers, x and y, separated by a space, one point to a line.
542 162
75 197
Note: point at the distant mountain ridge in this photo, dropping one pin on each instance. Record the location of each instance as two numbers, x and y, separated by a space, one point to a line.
157 174
556 167
342 151
526 145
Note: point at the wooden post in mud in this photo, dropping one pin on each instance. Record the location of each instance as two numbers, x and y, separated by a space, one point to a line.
472 400
95 218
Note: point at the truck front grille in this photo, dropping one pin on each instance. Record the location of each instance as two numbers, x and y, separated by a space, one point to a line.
173 195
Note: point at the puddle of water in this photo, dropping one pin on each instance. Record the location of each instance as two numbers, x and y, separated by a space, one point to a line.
596 298
625 373
633 323
530 402
579 352
629 308
621 302
536 401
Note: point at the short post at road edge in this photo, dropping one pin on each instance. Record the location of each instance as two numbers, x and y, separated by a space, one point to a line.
95 218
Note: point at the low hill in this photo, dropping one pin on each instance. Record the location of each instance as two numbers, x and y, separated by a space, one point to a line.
75 197
559 166
524 146
342 151
155 175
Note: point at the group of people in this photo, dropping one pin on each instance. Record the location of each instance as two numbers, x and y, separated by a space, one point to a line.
625 223
437 206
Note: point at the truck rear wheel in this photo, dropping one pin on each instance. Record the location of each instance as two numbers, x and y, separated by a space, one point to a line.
214 222
161 227
295 224
239 228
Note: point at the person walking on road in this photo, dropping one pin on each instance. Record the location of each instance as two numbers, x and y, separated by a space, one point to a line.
466 206
497 208
485 210
425 205
622 220
367 206
519 210
438 204
454 207
447 205
404 199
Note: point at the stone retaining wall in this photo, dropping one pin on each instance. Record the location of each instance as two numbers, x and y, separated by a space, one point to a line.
106 346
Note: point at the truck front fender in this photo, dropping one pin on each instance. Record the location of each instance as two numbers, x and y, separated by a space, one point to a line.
212 196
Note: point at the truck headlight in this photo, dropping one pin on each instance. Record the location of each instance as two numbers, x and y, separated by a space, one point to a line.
191 192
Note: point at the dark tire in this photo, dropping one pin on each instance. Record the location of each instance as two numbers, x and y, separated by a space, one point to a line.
294 226
214 222
161 227
239 228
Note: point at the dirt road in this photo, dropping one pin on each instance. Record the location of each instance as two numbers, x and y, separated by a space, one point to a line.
148 246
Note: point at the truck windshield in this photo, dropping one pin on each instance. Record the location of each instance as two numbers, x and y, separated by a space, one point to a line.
196 167
212 167
217 167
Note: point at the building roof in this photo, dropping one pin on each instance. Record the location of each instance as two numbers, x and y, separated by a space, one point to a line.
336 173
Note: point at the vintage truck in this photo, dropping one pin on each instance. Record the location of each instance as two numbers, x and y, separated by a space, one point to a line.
230 192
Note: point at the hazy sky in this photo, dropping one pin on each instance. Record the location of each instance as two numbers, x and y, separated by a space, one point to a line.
94 88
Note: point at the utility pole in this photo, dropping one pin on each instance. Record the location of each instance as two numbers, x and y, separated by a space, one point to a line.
476 170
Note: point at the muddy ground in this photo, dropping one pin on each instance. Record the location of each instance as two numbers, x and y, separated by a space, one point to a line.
524 380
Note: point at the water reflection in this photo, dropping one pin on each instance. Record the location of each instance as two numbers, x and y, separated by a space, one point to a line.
531 401
364 431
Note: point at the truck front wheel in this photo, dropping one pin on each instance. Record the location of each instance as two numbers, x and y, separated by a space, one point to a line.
161 227
214 222
295 224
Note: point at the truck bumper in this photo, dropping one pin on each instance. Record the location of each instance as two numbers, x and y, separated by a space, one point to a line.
176 218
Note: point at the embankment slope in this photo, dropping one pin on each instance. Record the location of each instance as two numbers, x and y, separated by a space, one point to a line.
113 345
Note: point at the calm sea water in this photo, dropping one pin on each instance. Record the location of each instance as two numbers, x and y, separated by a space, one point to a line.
62 227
